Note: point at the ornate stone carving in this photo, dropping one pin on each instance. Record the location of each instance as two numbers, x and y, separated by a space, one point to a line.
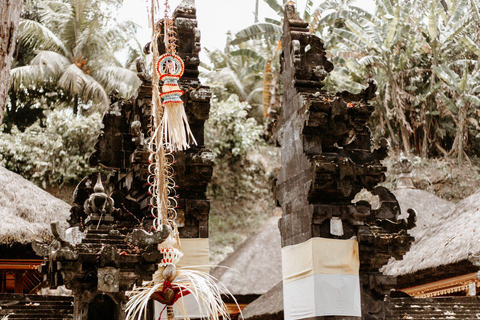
327 158
118 247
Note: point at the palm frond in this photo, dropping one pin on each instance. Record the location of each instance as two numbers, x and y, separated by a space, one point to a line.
27 76
432 22
124 80
75 81
392 28
385 6
472 99
36 35
447 75
52 62
328 5
360 33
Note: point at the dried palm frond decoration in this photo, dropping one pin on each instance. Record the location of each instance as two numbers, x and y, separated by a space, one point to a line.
170 133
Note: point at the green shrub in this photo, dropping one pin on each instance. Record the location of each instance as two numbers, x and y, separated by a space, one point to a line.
229 132
52 153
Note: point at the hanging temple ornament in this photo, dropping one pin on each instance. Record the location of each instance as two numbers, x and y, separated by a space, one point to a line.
174 125
171 132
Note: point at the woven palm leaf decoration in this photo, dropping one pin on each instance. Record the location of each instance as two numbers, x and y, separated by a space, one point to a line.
170 132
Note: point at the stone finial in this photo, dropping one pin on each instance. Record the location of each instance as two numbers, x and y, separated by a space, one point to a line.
404 173
186 9
99 206
99 186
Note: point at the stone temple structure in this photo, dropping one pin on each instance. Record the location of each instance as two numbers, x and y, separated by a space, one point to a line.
110 245
332 248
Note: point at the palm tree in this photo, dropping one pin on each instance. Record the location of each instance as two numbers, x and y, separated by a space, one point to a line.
75 49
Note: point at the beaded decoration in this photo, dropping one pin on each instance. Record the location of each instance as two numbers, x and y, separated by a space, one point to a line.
170 256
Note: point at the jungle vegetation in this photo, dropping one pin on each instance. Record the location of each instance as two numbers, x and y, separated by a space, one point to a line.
423 54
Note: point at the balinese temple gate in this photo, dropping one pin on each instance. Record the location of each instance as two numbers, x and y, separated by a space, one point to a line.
110 245
332 249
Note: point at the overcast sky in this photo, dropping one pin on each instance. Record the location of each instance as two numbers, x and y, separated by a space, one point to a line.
215 17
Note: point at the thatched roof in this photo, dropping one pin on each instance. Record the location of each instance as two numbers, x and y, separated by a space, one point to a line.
256 265
268 307
430 208
26 210
451 239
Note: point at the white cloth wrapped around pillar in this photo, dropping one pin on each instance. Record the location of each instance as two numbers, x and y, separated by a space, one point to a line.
195 257
321 278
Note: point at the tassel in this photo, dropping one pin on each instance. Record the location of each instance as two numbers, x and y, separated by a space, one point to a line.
175 128
169 285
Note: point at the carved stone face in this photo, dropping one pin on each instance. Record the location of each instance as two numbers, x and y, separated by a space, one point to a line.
108 279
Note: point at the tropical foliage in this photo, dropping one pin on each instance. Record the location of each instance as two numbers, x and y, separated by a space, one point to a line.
403 45
229 132
74 45
53 153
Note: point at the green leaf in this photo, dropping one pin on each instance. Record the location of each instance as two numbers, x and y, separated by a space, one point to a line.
249 53
369 60
458 11
386 5
275 6
352 38
354 28
307 13
258 31
467 41
449 103
447 75
463 83
473 100
392 28
273 21
432 22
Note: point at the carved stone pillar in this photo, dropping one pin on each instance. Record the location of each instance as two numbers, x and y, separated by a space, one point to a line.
332 248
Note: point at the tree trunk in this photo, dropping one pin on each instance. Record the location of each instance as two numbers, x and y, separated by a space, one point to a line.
9 17
75 105
461 135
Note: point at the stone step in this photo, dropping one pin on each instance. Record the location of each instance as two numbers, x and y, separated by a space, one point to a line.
34 297
36 310
38 307
434 308
41 317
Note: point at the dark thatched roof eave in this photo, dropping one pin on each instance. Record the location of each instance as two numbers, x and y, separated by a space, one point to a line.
268 307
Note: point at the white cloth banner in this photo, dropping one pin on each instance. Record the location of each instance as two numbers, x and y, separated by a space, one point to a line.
320 278
195 257
322 295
